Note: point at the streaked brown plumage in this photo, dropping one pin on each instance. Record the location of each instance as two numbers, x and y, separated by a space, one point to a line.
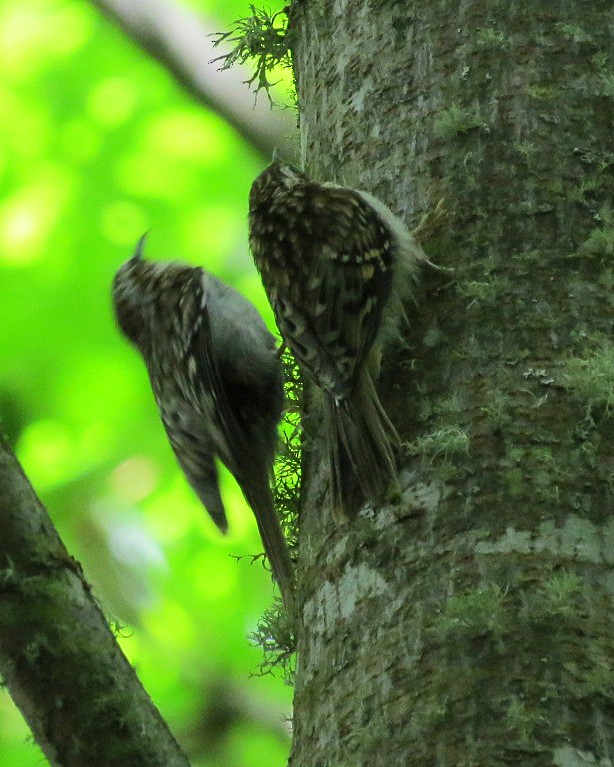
337 266
217 381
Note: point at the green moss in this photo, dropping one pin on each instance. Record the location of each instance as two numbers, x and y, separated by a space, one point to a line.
446 471
449 440
587 453
497 409
274 632
515 482
489 38
493 628
599 678
548 494
483 292
275 635
523 720
434 712
452 406
475 291
606 86
456 120
557 596
261 38
585 190
473 351
527 149
432 338
516 454
601 239
474 613
590 378
605 79
541 454
600 61
8 576
606 279
287 489
573 33
541 92
533 473
532 207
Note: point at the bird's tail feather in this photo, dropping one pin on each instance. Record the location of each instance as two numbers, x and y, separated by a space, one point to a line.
261 501
362 443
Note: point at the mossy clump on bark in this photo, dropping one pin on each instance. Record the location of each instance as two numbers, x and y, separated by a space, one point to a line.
261 38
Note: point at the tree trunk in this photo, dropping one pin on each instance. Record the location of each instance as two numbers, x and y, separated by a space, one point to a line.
470 622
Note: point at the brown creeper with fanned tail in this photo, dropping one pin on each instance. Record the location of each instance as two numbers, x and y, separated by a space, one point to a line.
217 381
337 266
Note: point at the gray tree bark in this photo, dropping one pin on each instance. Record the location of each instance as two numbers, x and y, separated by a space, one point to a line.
471 621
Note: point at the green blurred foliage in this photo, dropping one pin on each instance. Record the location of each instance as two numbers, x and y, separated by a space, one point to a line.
97 145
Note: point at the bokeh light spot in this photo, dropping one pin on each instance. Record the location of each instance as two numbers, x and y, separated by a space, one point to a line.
130 544
187 134
135 478
47 450
33 34
112 101
80 140
123 222
220 228
30 214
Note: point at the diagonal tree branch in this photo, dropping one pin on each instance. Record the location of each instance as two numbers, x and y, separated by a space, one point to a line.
58 658
181 41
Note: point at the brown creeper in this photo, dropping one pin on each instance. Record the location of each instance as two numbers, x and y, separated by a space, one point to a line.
217 381
337 265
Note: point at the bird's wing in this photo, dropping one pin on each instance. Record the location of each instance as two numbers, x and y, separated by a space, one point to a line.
329 311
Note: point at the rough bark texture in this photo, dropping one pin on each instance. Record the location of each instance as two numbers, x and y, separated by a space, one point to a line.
471 621
58 658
